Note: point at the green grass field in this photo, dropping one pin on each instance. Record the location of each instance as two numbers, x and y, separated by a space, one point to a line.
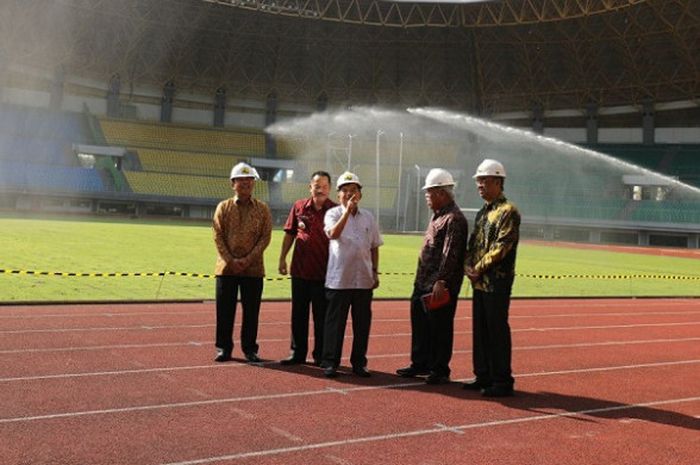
122 246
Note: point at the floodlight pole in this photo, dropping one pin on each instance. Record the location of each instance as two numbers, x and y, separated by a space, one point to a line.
417 194
398 198
377 194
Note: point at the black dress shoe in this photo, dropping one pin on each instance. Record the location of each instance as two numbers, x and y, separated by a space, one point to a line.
252 357
475 385
330 372
411 371
498 391
362 372
434 378
223 357
292 361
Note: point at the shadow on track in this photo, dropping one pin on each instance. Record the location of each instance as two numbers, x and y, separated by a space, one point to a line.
581 408
587 409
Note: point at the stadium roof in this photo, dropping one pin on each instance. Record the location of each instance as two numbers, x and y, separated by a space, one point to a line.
436 13
489 57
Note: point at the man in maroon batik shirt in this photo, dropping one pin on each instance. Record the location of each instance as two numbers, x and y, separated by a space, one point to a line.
309 261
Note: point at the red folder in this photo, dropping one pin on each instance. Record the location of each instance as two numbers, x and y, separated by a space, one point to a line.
433 304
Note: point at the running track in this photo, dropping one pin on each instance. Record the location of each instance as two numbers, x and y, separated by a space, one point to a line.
598 382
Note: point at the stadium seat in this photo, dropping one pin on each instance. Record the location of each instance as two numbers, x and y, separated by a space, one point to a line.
135 134
182 185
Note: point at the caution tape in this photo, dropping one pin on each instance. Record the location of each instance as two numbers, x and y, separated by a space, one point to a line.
103 275
611 277
118 275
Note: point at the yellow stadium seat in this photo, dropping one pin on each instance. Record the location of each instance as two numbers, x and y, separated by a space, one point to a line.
182 185
135 134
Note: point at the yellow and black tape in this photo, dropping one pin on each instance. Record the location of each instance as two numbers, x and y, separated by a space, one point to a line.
117 275
610 277
73 274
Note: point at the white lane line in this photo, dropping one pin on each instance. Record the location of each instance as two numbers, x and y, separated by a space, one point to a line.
316 392
172 344
450 429
607 343
125 372
519 330
208 342
335 390
604 369
593 315
566 346
243 414
286 434
559 315
375 320
193 344
630 302
104 328
371 357
100 314
142 408
438 429
576 328
109 347
517 304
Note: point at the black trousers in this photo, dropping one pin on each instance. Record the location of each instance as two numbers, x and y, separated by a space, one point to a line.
226 299
432 335
491 338
339 303
307 293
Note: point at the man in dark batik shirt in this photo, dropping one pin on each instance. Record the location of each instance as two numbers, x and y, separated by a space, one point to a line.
439 274
490 266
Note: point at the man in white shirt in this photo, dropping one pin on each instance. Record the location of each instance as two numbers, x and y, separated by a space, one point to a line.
351 277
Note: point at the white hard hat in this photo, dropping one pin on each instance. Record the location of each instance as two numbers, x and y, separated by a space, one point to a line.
490 167
244 170
348 178
437 177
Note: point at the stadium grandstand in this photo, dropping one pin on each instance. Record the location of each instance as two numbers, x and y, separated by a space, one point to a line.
141 107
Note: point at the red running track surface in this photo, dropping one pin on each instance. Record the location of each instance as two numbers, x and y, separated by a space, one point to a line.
598 381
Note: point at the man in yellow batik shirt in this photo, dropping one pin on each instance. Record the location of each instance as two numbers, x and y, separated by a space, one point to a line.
242 230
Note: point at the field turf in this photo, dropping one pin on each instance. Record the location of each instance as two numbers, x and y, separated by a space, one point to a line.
88 245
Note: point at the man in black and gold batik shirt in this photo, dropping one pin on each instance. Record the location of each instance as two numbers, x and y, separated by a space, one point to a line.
490 266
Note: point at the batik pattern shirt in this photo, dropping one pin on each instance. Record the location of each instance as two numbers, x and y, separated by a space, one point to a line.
493 245
305 223
444 247
241 229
